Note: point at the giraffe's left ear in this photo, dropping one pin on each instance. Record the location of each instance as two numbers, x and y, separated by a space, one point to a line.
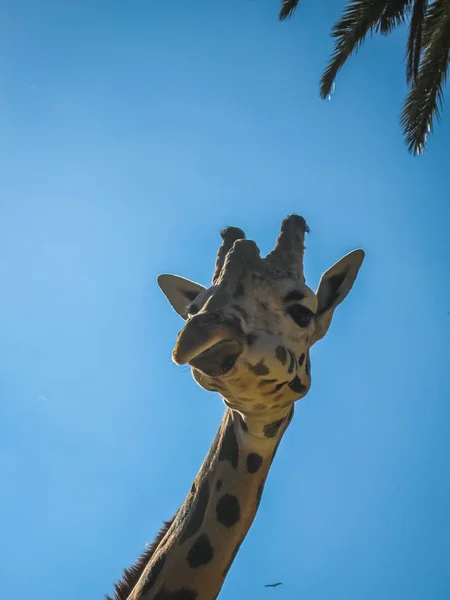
179 292
334 286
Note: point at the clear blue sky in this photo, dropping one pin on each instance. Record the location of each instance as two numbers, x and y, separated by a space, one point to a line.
130 133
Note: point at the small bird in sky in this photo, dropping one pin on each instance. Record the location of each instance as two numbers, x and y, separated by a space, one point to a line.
273 584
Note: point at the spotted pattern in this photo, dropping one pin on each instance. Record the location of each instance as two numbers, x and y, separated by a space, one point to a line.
274 390
254 462
271 429
198 512
264 382
229 450
259 369
201 552
281 354
279 386
291 361
297 386
153 573
228 510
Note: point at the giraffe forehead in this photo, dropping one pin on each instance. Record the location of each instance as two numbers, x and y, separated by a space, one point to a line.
270 294
258 297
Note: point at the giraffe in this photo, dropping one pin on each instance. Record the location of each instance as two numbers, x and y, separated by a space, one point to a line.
247 337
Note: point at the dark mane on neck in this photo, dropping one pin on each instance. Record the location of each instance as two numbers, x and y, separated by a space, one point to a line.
130 576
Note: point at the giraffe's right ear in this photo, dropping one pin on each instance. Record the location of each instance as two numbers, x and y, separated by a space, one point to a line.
179 292
334 286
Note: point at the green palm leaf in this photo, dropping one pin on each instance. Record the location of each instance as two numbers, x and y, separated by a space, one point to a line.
360 18
425 99
414 47
427 53
287 9
393 15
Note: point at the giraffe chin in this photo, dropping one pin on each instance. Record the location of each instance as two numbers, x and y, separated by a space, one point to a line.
219 359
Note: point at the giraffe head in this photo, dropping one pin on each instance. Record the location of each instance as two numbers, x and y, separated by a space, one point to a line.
248 336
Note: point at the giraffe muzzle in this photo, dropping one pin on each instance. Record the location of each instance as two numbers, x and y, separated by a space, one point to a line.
219 359
204 332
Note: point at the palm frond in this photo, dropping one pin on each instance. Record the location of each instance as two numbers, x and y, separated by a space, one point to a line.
425 99
393 16
360 18
287 9
414 46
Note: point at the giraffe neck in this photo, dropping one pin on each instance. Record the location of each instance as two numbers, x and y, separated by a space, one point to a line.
192 559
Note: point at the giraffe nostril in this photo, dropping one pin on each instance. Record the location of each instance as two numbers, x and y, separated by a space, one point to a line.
229 362
219 359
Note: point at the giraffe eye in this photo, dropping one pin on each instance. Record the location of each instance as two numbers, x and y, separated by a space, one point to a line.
300 314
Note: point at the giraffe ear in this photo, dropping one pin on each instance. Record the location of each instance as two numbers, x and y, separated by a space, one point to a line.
334 286
179 292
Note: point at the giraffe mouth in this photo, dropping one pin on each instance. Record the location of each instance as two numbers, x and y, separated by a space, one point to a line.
219 359
201 333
